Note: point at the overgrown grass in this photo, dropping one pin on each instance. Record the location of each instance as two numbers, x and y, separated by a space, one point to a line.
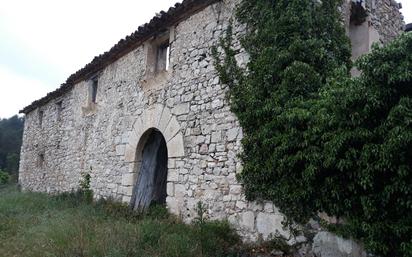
38 225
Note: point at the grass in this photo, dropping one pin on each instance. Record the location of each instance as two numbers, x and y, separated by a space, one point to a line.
67 225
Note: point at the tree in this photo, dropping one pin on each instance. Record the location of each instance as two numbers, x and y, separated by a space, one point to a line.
11 131
315 139
366 128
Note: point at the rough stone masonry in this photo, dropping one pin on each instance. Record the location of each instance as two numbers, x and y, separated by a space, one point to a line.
162 78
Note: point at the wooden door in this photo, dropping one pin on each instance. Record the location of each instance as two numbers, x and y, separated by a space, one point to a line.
151 183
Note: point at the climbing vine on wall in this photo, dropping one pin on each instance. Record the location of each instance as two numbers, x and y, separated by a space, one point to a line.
316 140
294 46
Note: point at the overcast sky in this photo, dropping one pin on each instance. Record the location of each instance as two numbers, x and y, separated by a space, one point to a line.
42 42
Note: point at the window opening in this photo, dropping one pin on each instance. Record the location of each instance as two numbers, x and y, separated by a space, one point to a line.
41 113
163 54
40 160
59 108
94 90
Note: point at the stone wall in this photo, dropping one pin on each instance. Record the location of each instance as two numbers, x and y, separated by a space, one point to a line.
386 18
383 22
186 103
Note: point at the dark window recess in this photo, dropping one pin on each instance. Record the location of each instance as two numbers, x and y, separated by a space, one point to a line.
41 113
163 55
40 160
59 108
358 13
94 90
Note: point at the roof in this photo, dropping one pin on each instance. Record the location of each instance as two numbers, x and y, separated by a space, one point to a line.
157 24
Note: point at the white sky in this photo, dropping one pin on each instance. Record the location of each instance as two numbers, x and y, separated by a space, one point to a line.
42 42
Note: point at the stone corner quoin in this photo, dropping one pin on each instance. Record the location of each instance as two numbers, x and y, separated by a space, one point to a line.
98 122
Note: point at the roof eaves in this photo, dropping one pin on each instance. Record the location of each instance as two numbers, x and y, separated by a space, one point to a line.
158 23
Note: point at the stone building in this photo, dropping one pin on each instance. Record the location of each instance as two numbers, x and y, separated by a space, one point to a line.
149 120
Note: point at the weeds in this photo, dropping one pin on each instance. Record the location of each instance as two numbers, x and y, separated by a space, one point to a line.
85 187
67 225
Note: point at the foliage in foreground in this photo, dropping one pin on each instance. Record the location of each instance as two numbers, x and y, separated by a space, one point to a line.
316 140
36 225
366 128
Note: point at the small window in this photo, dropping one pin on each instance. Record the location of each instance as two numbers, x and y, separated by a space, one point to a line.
158 62
167 57
94 90
59 109
41 113
163 57
40 160
358 13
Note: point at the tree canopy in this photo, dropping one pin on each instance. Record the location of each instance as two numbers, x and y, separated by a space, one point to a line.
11 131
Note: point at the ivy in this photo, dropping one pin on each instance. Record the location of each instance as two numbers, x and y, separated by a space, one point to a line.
315 139
293 47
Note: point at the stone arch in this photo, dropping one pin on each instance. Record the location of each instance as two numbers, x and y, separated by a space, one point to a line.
161 118
151 167
157 117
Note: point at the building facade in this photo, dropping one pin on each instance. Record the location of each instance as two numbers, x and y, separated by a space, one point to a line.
150 121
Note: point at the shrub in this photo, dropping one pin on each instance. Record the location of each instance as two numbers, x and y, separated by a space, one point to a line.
216 238
85 187
316 140
366 127
4 177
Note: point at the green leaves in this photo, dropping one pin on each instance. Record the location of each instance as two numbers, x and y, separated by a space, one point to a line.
367 143
293 51
4 177
315 139
11 131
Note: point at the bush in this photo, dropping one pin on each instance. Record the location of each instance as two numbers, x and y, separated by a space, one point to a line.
85 186
217 238
366 127
4 177
316 140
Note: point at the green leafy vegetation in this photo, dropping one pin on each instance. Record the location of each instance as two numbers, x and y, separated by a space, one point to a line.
85 187
11 131
37 225
4 177
294 47
366 128
315 139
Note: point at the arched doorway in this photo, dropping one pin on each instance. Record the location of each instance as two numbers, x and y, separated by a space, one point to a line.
151 181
